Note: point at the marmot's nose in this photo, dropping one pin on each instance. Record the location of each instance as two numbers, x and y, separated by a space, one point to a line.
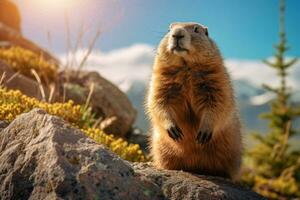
178 36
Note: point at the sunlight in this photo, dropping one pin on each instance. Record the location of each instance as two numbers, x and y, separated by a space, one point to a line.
54 4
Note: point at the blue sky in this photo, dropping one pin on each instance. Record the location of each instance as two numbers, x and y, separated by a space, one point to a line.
242 29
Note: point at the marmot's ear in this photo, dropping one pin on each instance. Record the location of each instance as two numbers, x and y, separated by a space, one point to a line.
172 25
206 31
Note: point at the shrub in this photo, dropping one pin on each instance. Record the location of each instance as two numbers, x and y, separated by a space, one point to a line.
275 165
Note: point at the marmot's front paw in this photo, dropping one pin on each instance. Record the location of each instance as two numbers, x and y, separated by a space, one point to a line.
175 133
204 137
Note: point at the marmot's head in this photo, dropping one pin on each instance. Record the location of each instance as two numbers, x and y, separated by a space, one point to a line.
190 41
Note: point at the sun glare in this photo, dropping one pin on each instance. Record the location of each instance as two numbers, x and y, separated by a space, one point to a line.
55 4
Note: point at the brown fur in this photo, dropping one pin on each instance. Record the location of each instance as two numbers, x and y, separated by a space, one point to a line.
194 92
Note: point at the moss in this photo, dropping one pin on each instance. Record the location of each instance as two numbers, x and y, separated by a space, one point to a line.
14 103
23 61
121 147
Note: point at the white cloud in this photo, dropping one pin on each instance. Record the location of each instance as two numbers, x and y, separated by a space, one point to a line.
262 99
125 65
122 66
257 73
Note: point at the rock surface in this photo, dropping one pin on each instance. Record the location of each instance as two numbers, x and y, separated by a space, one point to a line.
183 185
16 81
3 125
10 15
108 102
44 158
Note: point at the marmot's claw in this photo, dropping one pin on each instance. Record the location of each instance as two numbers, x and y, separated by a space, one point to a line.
204 137
175 133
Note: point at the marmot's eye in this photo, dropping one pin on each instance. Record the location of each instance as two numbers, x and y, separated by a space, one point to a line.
196 29
206 32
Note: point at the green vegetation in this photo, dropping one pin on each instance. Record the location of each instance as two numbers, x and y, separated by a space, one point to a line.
275 166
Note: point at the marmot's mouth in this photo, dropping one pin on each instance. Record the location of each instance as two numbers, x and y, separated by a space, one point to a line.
179 49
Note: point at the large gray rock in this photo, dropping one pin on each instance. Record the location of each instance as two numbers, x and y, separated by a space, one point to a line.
42 157
183 185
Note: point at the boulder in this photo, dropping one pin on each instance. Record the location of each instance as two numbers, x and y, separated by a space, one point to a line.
183 185
42 157
15 81
108 102
10 15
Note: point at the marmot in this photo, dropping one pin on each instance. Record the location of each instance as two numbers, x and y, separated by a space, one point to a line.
191 106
